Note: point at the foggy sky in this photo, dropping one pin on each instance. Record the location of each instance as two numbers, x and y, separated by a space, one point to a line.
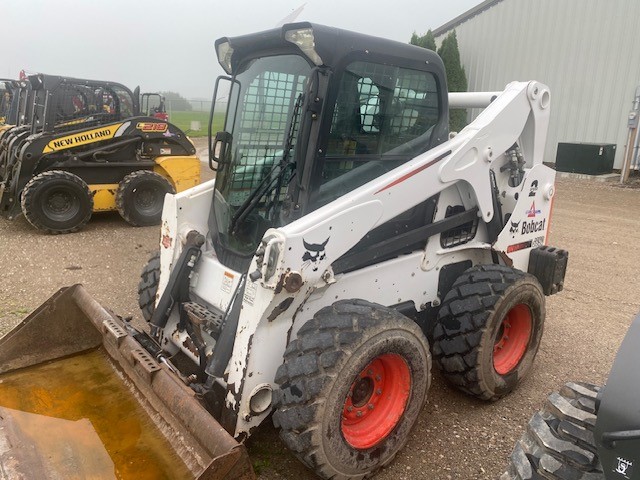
168 45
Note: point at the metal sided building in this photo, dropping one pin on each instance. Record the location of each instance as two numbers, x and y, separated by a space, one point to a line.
587 51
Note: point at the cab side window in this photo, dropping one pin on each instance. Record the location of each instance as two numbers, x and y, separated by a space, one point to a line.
383 116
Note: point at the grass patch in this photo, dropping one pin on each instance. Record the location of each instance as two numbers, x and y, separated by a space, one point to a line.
183 120
261 464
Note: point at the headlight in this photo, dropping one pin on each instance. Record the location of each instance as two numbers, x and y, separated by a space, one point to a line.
272 261
305 41
225 51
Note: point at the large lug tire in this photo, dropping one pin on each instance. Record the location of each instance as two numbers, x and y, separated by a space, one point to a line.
558 443
148 286
351 387
57 202
140 197
489 330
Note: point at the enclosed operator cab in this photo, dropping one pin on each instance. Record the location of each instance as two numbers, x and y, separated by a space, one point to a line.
311 116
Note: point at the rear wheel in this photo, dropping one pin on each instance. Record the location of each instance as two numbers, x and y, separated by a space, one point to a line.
489 330
57 202
140 197
351 387
558 443
148 286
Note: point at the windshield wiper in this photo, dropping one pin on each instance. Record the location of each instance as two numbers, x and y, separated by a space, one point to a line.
266 185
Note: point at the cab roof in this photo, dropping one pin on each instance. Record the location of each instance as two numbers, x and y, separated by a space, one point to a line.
331 44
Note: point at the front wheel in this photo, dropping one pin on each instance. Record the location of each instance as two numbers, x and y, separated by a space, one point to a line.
148 286
57 201
351 387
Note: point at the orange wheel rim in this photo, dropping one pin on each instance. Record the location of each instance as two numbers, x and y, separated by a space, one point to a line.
512 340
376 401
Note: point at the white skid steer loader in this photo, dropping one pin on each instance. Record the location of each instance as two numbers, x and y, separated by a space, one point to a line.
344 228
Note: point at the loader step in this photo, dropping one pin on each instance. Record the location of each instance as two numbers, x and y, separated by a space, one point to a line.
201 315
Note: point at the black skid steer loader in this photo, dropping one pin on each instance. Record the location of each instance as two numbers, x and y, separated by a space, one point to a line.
86 149
346 240
13 103
7 95
586 431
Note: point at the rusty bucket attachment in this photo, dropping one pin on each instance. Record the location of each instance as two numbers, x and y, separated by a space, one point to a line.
69 323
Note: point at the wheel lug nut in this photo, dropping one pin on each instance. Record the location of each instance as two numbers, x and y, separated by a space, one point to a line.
369 372
358 413
378 378
379 391
349 409
370 406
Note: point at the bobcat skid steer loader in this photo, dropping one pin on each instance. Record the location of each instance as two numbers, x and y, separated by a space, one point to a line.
88 149
343 230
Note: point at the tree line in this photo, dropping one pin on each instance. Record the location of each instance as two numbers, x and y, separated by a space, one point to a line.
456 76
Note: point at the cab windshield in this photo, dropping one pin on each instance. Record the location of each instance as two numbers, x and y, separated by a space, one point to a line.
262 119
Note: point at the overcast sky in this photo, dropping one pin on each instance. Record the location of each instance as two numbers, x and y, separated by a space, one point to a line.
168 45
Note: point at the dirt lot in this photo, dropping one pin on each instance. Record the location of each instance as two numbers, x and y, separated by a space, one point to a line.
456 437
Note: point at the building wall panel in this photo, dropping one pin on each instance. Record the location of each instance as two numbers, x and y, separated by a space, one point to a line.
587 51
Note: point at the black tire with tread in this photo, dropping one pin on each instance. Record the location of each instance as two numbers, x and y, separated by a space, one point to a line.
148 286
468 324
34 195
126 197
319 367
559 443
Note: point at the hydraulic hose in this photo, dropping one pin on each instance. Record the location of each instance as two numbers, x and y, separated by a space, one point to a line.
177 289
224 346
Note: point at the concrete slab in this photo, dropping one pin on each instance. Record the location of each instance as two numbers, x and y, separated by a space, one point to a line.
607 177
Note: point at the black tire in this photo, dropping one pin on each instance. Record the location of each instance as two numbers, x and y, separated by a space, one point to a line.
489 307
339 362
148 286
57 202
140 197
559 443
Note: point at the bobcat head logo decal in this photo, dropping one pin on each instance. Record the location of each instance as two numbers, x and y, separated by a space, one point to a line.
314 254
514 227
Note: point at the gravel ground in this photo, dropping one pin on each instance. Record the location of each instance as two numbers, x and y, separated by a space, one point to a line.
456 437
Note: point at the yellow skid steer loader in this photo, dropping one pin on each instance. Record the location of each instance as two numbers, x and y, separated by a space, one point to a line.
88 148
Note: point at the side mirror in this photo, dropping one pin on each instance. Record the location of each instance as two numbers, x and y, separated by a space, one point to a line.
220 146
